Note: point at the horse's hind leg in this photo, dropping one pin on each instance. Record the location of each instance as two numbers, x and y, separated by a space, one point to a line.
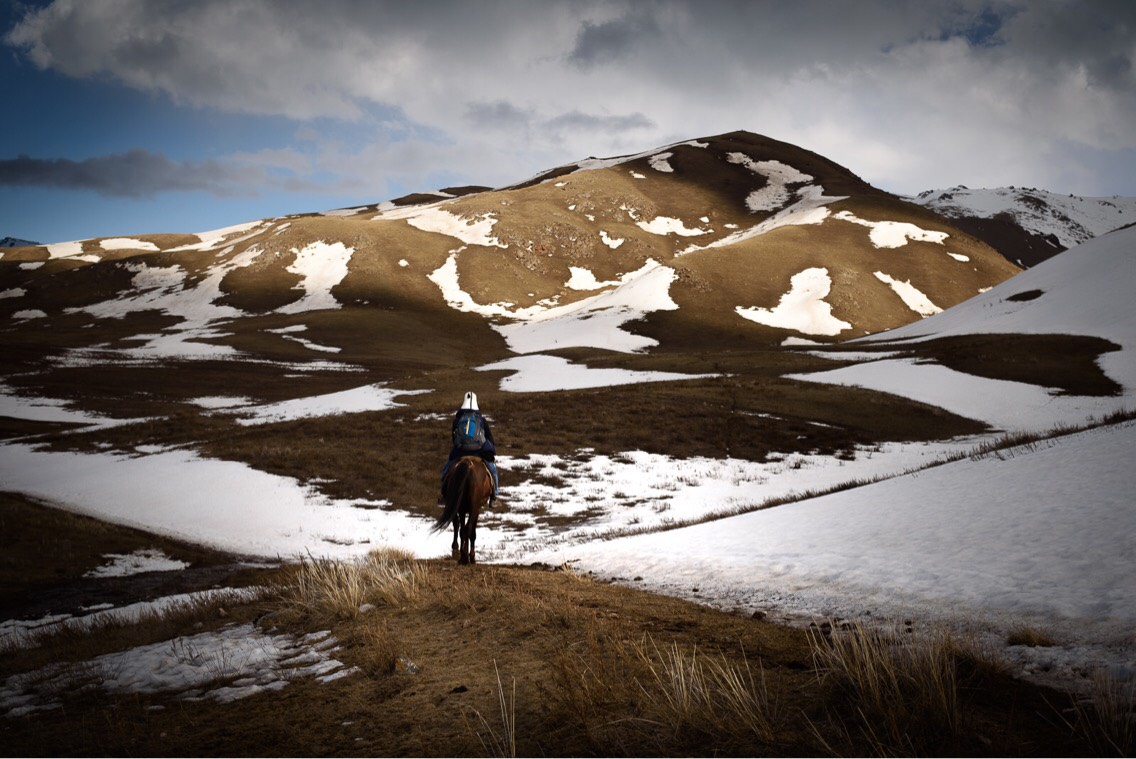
472 528
466 543
454 546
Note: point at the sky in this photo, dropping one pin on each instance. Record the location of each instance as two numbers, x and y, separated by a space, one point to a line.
143 116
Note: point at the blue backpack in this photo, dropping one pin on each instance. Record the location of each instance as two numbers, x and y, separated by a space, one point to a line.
469 434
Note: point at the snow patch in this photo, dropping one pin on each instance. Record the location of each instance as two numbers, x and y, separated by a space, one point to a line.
142 560
539 374
596 322
213 239
912 297
659 162
802 308
356 400
347 211
249 661
774 194
29 313
893 234
322 266
126 243
15 292
611 242
666 225
809 209
65 249
474 231
584 279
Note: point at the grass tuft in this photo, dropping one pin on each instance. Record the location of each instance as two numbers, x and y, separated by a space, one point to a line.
903 691
1030 636
343 589
1107 719
699 692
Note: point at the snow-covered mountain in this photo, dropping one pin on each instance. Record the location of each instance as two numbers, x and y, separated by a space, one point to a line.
15 242
708 242
1026 224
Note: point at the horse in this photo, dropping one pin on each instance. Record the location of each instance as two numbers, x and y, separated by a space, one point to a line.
466 490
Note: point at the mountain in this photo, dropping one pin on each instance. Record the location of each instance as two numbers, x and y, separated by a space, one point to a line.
1026 224
15 242
732 240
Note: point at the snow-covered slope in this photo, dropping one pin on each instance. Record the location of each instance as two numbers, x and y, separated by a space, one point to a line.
1040 534
15 242
1027 224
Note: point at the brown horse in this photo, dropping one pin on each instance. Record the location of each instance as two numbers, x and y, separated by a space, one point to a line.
466 490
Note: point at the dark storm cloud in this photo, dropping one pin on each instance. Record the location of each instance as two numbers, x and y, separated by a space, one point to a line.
888 87
135 174
610 41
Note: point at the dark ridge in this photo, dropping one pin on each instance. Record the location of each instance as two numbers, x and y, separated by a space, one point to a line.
465 189
1004 235
551 174
15 242
415 198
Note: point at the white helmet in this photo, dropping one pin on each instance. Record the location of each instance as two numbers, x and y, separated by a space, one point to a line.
470 402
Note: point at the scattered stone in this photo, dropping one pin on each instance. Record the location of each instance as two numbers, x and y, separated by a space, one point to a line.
403 665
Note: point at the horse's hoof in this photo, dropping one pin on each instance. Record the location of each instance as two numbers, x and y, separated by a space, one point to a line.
455 555
463 561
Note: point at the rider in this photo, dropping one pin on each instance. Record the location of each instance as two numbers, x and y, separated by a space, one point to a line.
466 420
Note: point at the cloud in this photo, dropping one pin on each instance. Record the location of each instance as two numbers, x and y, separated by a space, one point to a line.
610 41
500 114
906 93
134 174
578 120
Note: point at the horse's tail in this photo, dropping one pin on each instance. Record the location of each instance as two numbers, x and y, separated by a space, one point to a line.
454 496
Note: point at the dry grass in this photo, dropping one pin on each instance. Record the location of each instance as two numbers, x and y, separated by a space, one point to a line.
1106 719
1030 636
709 693
903 689
505 742
340 589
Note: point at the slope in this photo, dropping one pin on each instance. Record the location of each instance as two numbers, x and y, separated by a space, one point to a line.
1026 224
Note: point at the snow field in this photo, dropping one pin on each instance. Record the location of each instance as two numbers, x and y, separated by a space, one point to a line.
1036 535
